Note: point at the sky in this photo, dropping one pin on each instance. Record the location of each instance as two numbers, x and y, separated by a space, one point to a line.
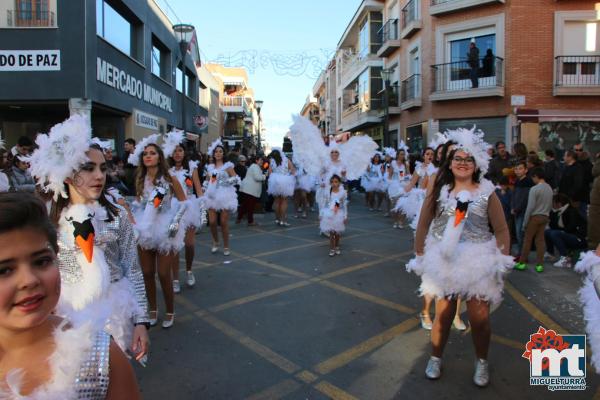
285 33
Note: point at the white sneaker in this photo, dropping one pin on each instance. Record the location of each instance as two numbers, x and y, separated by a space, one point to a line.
176 287
226 251
434 368
167 323
191 279
214 248
482 373
338 251
459 324
563 262
331 253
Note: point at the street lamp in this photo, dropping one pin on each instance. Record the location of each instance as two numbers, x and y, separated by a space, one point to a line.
184 33
386 75
258 105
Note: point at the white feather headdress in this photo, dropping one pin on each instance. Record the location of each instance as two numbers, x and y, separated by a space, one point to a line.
104 144
471 142
403 146
213 146
390 151
171 140
60 153
438 139
134 158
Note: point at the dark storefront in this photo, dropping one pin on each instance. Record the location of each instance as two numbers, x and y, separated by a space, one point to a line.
117 60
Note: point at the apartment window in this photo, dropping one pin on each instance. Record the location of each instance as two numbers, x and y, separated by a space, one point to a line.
117 29
363 39
190 87
179 79
160 59
364 96
459 52
31 13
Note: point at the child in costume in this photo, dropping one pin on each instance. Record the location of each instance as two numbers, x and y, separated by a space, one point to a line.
220 196
186 172
335 214
458 254
98 256
397 177
45 356
373 182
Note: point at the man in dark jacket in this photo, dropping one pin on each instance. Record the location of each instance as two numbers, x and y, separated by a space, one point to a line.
499 163
473 60
572 182
583 159
551 169
519 199
567 229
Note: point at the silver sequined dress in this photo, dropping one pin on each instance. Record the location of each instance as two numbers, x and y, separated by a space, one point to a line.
219 187
118 287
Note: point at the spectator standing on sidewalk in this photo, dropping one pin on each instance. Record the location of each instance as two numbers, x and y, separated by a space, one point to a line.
594 209
129 169
519 200
500 162
583 159
505 193
551 169
251 189
572 182
566 230
539 204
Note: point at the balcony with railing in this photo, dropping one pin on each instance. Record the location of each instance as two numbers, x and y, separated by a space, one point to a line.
446 6
410 92
577 76
411 19
460 80
235 104
353 64
30 19
389 38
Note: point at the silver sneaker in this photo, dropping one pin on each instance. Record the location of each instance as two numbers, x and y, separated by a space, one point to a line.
482 373
563 262
176 287
191 279
434 368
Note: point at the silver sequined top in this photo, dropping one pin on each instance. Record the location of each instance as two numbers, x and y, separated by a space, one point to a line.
92 379
117 240
476 226
221 176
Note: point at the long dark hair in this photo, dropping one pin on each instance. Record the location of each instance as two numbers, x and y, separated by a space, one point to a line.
224 160
334 176
446 177
142 170
184 163
57 206
276 155
437 162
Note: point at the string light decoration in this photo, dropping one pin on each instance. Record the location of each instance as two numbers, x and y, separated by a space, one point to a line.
309 63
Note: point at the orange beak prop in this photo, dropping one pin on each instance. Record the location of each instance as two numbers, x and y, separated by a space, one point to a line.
84 237
461 212
213 178
158 199
336 208
188 182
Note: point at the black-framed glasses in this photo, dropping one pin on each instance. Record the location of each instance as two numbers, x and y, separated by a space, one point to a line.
466 160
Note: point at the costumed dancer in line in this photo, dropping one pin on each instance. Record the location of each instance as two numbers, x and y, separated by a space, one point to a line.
162 216
348 160
45 356
4 181
220 197
462 246
397 177
281 184
98 258
589 295
304 185
186 172
373 182
335 214
389 155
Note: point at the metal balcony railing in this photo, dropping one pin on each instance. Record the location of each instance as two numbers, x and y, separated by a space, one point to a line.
410 88
460 75
29 18
389 31
410 13
577 71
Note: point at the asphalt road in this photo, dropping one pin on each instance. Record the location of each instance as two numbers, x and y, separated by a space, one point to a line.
280 319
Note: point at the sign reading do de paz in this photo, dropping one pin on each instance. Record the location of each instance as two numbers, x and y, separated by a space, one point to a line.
29 60
126 83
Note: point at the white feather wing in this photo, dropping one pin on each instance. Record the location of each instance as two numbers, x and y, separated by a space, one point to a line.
309 149
356 155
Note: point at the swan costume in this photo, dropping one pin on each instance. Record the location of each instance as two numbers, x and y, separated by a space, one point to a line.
334 212
589 295
373 180
281 181
411 203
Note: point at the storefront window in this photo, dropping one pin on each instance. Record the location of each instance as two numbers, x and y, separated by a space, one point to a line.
113 27
563 135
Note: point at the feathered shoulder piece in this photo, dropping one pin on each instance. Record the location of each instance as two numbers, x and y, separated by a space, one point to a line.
471 141
403 146
103 144
213 146
134 158
171 140
389 151
438 139
193 165
60 154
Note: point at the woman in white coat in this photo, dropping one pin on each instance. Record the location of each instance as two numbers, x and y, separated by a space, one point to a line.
251 189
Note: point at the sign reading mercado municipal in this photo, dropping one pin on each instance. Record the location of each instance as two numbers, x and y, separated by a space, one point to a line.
124 82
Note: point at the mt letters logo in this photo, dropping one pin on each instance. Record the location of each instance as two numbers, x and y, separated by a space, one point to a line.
556 361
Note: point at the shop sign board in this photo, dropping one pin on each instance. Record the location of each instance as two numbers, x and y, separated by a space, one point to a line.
124 82
146 120
29 60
